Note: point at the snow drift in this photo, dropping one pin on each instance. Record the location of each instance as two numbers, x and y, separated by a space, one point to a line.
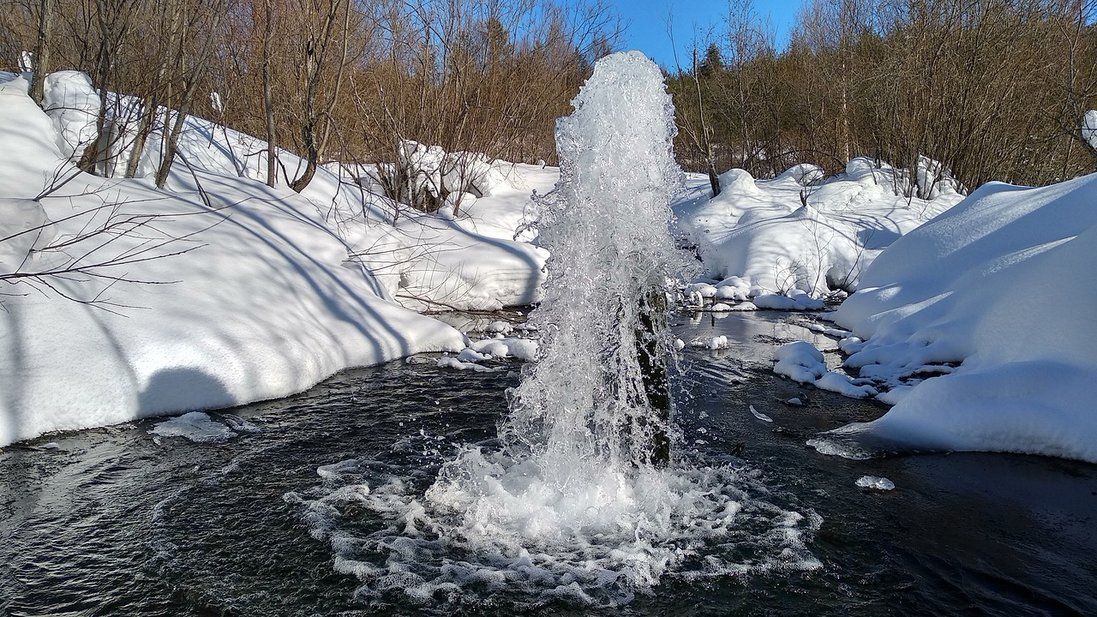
1003 285
761 233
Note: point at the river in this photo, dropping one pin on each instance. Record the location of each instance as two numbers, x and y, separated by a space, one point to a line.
115 521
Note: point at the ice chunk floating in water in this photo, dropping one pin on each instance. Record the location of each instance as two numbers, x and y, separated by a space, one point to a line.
573 505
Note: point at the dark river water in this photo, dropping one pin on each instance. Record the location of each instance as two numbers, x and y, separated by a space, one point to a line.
115 522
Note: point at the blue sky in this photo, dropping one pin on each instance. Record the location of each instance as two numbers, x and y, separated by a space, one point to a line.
645 23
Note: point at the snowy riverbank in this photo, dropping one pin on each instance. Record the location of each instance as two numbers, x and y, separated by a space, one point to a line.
997 297
218 290
803 234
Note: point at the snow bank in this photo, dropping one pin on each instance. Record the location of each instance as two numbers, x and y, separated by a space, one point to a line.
471 357
801 362
520 348
266 303
760 232
1003 284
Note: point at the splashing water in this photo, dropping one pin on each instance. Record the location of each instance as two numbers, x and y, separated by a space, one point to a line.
570 506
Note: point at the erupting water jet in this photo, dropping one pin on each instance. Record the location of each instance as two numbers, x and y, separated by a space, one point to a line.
598 392
582 499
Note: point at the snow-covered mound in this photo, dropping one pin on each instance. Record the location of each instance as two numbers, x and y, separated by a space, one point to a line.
1004 285
1089 128
761 233
266 302
801 362
423 261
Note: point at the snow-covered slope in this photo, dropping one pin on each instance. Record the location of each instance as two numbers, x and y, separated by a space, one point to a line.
1004 284
760 232
425 261
471 261
265 303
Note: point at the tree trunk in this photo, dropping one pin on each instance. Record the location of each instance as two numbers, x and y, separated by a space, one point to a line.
268 100
148 112
41 52
713 177
171 144
93 152
193 79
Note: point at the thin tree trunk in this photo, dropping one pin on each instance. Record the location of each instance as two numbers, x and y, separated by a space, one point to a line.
89 160
316 50
148 112
713 177
339 76
268 100
172 143
42 52
150 105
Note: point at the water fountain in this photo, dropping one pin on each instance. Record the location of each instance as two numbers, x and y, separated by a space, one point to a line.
582 498
597 395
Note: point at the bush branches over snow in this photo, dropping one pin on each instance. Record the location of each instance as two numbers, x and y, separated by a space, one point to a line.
95 252
323 79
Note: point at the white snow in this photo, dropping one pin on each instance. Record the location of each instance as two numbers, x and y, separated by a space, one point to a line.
500 326
851 345
424 261
837 333
759 232
801 362
469 358
713 343
195 426
796 300
704 289
1089 128
837 382
875 482
471 355
510 347
734 293
1004 285
278 291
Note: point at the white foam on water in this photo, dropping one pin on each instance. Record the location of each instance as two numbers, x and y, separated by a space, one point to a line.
495 530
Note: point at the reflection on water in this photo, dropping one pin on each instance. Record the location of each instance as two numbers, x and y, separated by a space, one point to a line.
109 522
